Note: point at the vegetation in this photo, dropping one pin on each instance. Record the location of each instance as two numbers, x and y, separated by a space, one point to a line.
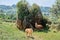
22 9
56 8
33 14
55 11
9 31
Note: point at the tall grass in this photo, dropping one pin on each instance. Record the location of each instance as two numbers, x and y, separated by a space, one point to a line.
9 31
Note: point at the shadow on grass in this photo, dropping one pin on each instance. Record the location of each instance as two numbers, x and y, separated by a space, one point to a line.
43 30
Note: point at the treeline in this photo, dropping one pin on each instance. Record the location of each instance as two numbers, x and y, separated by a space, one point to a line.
7 16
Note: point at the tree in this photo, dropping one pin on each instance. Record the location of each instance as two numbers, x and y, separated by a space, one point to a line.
56 9
37 16
22 11
36 11
2 15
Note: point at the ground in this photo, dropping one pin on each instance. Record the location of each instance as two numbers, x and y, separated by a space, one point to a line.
9 31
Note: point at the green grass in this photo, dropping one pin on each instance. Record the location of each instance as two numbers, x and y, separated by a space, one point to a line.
9 31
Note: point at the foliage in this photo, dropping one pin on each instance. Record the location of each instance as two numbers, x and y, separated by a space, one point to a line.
56 9
2 15
35 9
10 16
22 9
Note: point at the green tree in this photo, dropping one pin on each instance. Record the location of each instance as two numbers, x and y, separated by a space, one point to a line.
22 9
2 15
35 9
36 12
56 9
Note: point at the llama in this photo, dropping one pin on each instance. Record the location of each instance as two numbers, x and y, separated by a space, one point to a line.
29 32
38 26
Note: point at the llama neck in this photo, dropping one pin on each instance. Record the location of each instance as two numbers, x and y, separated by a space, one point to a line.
36 24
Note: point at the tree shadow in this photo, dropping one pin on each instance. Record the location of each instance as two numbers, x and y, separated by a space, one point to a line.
46 30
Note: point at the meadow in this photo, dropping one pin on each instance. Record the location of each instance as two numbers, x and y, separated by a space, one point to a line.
9 31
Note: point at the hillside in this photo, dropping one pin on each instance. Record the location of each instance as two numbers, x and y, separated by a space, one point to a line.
11 9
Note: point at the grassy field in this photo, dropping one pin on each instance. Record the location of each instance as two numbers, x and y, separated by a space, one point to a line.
9 31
